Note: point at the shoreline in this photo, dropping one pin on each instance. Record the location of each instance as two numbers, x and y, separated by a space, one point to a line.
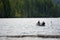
29 18
39 36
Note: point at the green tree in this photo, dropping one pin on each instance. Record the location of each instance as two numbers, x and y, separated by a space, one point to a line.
6 7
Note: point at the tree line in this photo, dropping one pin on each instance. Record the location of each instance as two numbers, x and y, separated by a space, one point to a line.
28 9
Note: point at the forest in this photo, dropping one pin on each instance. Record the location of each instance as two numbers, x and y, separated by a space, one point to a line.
28 9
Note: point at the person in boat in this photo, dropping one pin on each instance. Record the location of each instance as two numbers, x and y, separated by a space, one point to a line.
38 23
43 24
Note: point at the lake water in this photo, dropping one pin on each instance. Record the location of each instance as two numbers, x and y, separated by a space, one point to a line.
27 26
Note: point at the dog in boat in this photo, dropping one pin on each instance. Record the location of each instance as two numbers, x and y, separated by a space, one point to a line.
39 24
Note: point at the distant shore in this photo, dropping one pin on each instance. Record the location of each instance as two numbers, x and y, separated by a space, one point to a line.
43 17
